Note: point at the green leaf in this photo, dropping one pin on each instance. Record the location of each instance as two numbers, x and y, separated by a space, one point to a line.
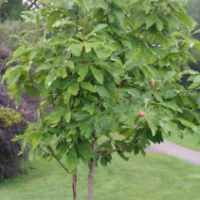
147 6
136 149
97 74
71 159
188 124
133 92
98 28
147 96
33 53
186 19
117 136
62 147
20 51
14 76
146 52
170 94
35 141
68 116
70 64
102 91
61 71
197 31
76 49
84 150
159 24
74 88
171 105
89 108
46 66
63 22
83 70
152 123
88 127
52 17
120 15
150 20
55 115
168 76
101 51
88 86
19 95
50 78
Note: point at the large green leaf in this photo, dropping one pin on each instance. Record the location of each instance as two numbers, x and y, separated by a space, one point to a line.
14 76
151 119
50 78
97 74
85 150
21 51
83 70
101 51
188 124
88 86
71 159
76 49
62 147
150 20
74 88
102 91
45 67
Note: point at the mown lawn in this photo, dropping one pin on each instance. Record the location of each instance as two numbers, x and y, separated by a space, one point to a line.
155 177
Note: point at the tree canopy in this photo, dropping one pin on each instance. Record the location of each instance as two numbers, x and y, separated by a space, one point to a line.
109 70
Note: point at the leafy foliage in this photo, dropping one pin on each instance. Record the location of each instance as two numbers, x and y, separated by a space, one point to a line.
94 62
10 9
9 117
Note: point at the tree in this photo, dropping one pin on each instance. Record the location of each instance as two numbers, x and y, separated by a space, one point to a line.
108 69
11 9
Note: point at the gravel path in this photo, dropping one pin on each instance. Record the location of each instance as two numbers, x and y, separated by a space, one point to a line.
175 150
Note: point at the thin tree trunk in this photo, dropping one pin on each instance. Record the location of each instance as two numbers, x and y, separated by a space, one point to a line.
91 180
74 185
91 172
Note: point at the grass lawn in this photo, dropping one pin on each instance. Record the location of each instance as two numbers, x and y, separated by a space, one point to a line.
190 140
155 177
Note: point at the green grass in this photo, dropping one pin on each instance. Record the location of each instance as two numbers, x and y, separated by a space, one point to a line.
190 140
155 177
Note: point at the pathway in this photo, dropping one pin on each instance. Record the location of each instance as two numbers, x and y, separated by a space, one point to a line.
172 149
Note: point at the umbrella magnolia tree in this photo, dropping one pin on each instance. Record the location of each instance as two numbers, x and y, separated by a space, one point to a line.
110 70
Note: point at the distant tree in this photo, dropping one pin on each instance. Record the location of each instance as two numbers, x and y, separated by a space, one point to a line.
11 9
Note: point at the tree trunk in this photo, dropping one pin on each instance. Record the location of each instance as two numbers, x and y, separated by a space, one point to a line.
92 171
74 185
91 180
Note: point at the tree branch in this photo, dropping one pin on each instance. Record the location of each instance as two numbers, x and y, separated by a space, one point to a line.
35 1
114 150
141 32
51 150
45 151
191 89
